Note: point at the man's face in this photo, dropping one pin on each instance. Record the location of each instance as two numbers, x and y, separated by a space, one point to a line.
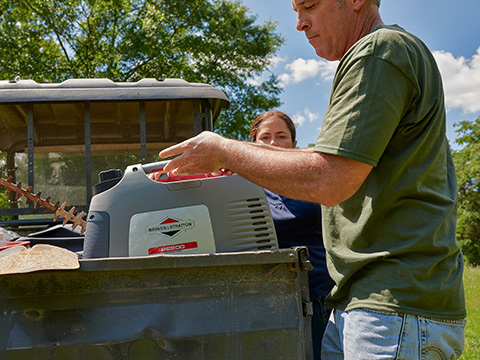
327 26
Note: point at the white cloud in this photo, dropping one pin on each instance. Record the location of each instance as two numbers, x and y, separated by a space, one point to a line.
461 78
307 116
301 69
277 60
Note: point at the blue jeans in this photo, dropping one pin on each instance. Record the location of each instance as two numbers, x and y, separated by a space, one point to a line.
370 335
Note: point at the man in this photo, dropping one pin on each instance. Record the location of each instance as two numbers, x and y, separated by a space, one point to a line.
382 168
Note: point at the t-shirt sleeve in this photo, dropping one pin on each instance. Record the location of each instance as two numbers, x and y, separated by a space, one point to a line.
369 98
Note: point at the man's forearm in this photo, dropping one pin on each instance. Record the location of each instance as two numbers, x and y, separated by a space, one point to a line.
299 174
283 171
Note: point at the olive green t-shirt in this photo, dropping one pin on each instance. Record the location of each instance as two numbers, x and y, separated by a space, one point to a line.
391 246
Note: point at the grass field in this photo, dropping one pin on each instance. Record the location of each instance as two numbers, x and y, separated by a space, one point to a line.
472 332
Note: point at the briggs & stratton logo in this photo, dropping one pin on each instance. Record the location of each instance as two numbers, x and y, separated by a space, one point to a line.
170 227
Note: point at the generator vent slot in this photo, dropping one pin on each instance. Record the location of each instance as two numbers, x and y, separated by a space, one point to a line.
251 223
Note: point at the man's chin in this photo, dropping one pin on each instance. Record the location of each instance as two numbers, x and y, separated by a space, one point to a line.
325 55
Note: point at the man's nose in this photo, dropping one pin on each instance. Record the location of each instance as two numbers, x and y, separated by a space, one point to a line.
302 22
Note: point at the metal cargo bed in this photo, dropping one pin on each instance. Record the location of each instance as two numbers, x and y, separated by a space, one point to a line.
248 305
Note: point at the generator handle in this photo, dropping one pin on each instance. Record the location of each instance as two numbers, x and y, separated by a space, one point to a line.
155 166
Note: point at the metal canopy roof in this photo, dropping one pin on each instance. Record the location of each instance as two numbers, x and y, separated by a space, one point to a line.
59 109
104 90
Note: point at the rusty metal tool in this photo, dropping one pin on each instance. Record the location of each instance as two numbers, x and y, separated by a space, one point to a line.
60 211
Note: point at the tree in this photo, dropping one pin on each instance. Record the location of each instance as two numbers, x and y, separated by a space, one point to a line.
467 163
210 41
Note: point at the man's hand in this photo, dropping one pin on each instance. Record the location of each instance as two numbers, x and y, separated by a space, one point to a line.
198 155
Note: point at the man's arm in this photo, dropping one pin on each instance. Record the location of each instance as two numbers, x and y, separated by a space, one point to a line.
299 174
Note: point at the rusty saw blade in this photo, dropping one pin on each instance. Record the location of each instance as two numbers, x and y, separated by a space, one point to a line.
59 211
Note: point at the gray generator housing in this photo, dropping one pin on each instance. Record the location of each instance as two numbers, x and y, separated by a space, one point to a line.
207 215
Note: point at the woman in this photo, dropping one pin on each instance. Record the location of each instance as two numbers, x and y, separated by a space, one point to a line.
297 222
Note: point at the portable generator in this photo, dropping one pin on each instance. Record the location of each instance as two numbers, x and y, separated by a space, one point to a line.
133 214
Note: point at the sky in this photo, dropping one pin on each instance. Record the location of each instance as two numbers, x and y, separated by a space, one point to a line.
451 29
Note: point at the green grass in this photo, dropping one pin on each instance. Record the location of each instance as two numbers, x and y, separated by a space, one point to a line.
471 280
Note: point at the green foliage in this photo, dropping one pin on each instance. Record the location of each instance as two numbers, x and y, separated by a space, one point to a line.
471 280
467 163
209 41
246 102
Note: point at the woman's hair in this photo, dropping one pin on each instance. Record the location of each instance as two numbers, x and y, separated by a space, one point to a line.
270 114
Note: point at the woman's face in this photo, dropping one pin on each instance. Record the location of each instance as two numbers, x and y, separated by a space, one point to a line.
274 131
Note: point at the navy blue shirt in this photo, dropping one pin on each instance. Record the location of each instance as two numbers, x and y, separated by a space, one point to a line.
299 223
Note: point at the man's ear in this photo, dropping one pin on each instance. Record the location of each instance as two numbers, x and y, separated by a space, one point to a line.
358 4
